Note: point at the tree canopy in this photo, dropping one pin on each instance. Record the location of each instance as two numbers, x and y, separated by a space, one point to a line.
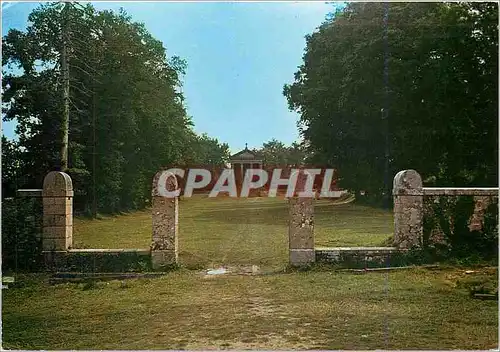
276 153
416 80
127 113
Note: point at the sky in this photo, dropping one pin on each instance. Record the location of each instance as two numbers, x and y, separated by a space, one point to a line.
239 55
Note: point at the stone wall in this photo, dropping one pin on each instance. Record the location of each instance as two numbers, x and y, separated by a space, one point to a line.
57 239
409 209
356 256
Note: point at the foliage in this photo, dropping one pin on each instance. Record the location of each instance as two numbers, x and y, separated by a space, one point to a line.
209 151
448 217
10 168
21 234
275 152
127 118
419 79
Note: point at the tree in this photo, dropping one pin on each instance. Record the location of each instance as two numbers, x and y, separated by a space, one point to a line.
277 153
431 71
127 114
11 178
274 152
210 151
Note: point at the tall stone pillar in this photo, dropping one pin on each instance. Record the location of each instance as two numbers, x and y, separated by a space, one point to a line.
165 214
57 212
301 226
408 209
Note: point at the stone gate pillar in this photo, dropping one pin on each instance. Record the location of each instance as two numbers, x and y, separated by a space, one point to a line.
408 209
164 247
57 212
301 226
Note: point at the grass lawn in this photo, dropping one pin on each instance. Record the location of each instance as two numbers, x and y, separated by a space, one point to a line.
239 231
416 309
412 309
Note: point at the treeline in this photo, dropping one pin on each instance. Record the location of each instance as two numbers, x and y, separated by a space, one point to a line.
276 153
387 87
127 112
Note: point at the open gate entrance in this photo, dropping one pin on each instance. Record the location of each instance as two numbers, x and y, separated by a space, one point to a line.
257 225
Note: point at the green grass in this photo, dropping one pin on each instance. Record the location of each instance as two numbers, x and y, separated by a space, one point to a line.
416 309
319 309
351 225
239 231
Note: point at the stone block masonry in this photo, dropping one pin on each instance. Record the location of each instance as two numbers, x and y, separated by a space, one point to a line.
356 256
301 227
57 241
165 215
57 212
408 209
408 206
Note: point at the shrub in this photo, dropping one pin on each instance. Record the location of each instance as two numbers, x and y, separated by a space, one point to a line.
21 234
447 234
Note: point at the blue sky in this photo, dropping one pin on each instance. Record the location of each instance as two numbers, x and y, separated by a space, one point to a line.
239 55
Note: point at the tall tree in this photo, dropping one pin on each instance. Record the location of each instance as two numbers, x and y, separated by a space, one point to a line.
127 115
439 93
